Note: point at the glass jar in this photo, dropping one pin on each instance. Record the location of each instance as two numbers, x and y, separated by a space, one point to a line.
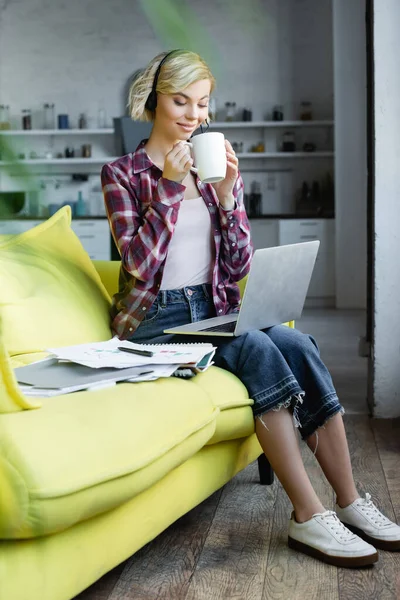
4 116
306 111
48 116
277 113
288 142
230 111
82 124
26 118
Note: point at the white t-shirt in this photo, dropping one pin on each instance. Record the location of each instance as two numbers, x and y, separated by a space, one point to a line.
191 251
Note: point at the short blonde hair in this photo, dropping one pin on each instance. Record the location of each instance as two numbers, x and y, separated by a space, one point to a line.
180 69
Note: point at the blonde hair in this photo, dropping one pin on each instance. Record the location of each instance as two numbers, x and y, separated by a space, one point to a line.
180 69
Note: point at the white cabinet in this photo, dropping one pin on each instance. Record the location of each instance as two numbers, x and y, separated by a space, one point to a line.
94 234
278 232
15 227
292 231
95 237
264 233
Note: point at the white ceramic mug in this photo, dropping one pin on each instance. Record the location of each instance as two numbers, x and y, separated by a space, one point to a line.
209 156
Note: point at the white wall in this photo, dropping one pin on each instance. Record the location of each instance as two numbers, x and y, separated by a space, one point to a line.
350 147
80 54
386 328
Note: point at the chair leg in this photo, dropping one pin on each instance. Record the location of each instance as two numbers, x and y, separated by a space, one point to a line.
265 471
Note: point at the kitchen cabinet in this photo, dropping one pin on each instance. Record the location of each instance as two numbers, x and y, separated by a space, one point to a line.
292 231
264 233
94 234
95 237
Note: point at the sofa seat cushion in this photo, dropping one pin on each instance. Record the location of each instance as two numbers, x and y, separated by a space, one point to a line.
51 294
85 453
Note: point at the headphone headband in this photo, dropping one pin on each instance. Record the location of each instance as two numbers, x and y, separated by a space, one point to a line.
151 101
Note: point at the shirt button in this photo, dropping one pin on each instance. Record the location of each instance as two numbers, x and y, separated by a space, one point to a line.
190 292
210 204
230 224
220 310
130 328
233 244
220 285
143 308
230 217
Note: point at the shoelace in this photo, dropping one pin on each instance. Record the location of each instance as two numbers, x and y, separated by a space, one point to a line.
370 510
336 526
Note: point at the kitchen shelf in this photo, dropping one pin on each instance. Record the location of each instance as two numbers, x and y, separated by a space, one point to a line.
23 132
60 161
266 124
327 154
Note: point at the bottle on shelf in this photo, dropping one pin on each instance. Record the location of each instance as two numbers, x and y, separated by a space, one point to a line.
277 113
306 111
80 206
255 199
26 119
5 117
288 142
82 124
48 116
101 118
230 111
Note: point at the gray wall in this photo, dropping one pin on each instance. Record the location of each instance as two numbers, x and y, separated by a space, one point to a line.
350 145
386 330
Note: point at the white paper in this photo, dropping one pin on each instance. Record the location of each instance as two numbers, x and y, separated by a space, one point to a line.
144 374
106 354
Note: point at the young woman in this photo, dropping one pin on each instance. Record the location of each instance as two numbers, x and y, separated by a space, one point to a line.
184 245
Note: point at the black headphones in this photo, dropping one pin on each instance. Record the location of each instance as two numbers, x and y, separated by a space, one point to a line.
151 101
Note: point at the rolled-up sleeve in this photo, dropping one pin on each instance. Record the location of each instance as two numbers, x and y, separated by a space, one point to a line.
237 248
142 237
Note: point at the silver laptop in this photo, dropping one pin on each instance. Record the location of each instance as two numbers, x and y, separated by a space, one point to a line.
276 289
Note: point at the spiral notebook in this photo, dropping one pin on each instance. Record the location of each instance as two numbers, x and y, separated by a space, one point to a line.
100 355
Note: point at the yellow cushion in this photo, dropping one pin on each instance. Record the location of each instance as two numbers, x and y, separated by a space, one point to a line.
11 399
85 453
50 293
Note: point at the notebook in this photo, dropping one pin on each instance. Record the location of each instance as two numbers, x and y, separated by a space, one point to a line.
275 292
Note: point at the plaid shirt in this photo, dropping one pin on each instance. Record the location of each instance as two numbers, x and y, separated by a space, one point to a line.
143 208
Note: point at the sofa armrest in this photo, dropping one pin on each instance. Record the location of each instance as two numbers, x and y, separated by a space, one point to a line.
109 273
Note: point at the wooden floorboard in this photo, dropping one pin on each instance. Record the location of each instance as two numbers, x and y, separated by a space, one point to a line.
387 437
234 545
235 554
163 568
380 582
291 575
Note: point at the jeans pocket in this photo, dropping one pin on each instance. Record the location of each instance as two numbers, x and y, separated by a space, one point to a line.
152 314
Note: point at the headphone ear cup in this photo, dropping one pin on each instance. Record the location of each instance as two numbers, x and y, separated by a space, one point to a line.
151 101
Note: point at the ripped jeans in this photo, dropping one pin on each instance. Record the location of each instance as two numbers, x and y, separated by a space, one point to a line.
280 366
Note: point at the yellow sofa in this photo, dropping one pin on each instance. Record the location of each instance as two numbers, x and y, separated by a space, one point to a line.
86 479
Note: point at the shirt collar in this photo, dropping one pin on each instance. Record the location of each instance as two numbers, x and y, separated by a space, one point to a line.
140 159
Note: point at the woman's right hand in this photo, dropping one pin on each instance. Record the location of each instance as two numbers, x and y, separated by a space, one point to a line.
177 163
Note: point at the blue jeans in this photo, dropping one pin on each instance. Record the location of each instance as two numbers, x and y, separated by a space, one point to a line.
280 366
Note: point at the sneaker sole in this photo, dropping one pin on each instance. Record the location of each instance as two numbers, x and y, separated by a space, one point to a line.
378 543
352 562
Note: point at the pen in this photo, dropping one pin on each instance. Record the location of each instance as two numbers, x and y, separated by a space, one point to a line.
136 351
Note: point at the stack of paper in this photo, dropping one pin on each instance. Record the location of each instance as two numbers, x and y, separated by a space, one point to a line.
101 364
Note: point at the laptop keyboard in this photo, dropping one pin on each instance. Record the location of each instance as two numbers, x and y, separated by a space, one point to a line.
223 328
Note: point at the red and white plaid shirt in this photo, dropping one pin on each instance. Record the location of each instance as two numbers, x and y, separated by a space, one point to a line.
143 208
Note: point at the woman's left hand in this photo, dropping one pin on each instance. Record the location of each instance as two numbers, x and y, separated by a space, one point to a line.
225 187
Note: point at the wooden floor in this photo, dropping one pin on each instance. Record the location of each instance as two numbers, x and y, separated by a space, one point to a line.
233 546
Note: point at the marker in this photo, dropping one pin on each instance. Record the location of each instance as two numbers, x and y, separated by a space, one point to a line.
136 351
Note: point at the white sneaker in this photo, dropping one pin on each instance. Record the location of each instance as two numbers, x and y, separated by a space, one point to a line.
325 537
363 517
